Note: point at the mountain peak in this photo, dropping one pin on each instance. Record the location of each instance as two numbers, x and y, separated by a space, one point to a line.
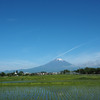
59 59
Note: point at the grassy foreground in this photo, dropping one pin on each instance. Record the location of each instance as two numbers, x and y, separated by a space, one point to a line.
51 80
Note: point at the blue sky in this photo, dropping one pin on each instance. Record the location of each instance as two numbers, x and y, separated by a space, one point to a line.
33 32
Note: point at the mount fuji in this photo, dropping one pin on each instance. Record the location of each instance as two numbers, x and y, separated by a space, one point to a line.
54 66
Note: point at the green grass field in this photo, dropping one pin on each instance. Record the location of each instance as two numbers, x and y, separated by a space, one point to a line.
51 80
50 87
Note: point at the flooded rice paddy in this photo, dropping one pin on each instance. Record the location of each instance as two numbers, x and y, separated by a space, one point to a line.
50 93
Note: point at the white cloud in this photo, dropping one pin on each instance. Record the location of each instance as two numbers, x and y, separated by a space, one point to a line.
83 58
14 65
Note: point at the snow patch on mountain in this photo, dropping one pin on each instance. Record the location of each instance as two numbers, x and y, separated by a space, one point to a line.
59 59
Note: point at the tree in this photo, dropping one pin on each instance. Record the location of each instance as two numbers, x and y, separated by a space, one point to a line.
10 74
17 71
2 74
88 70
80 71
98 71
21 73
65 71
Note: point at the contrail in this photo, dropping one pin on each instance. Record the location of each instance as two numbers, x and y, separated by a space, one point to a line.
69 51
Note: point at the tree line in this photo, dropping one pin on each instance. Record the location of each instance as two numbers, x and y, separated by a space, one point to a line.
16 73
86 70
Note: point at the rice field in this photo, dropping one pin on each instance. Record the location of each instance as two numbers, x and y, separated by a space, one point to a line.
50 93
50 87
